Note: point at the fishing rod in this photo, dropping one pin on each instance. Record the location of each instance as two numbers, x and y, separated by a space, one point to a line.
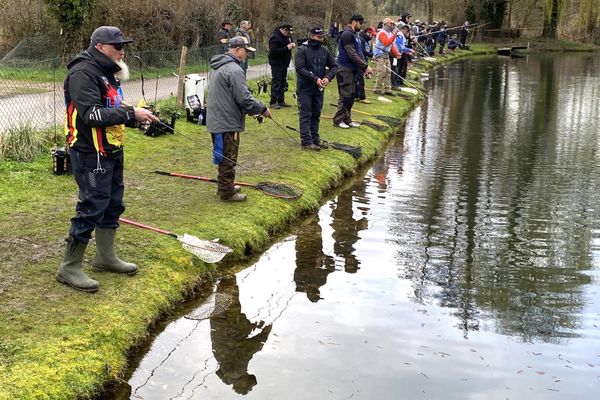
297 142
142 74
206 147
170 129
446 29
354 151
415 87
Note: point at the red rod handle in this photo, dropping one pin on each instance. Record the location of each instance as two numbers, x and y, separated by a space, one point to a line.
151 228
201 178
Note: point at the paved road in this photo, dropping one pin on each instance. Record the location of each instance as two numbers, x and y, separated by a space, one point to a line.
43 105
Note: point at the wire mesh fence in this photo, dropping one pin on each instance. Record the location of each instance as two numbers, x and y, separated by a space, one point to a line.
32 76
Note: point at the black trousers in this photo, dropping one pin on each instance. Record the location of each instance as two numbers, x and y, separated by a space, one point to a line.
403 67
360 86
346 88
101 188
278 83
309 107
226 169
396 81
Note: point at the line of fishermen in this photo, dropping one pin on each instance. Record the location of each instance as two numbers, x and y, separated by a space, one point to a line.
96 116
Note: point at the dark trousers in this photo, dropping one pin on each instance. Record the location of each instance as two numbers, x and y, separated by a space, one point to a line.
360 86
442 45
396 81
100 198
226 177
278 83
309 107
346 87
403 67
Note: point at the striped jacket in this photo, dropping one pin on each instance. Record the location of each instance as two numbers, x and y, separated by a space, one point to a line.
95 115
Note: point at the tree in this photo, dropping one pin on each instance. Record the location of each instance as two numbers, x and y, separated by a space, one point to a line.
552 13
589 11
234 12
70 14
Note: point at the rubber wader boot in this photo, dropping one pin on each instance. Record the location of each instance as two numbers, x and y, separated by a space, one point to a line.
71 272
105 259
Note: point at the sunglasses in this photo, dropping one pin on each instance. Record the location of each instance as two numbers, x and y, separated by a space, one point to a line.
117 46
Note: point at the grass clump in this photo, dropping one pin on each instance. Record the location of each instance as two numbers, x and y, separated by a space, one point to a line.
24 143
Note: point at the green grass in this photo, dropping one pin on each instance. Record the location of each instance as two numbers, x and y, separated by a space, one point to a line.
23 143
56 343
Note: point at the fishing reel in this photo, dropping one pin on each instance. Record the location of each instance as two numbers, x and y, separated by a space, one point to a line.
259 118
160 127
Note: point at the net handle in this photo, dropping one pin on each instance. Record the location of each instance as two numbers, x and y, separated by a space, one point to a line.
202 178
150 228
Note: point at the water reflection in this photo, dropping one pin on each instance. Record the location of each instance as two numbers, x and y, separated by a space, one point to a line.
312 265
499 211
463 264
235 340
346 226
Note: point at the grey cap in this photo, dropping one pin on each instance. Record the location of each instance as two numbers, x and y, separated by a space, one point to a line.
240 41
108 35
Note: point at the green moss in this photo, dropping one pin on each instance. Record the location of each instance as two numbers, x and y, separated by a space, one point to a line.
57 343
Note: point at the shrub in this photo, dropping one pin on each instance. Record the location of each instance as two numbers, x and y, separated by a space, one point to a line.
23 143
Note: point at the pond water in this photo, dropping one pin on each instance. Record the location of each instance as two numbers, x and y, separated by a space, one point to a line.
464 263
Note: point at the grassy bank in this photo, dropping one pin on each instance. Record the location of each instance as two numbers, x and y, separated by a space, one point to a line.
56 343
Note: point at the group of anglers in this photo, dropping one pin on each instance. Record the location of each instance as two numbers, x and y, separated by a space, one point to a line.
96 117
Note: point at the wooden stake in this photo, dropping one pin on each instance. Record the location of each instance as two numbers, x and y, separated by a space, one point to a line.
181 82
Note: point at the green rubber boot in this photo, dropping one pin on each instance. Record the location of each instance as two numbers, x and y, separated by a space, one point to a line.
71 272
105 259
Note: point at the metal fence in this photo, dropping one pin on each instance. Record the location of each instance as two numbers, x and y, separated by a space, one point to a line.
31 87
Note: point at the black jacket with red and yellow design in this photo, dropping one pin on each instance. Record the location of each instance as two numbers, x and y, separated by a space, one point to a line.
95 115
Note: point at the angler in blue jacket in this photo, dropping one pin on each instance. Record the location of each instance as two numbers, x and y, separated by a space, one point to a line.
406 53
350 61
315 69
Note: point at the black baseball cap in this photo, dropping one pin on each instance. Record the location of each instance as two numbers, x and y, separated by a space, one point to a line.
357 17
317 31
108 35
287 26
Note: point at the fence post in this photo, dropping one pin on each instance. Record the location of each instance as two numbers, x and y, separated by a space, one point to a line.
181 82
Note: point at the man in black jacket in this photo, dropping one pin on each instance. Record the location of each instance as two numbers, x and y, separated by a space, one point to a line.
280 55
367 49
224 35
95 126
313 60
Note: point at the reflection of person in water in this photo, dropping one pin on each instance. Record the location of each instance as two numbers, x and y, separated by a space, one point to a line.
312 265
346 228
232 345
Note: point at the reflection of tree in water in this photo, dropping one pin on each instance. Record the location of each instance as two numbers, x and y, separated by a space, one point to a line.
312 265
496 236
232 347
345 227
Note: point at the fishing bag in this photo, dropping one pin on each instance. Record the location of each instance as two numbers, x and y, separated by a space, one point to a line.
196 113
61 162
